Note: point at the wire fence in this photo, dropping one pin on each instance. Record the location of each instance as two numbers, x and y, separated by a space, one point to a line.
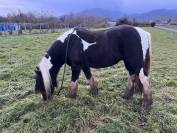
30 28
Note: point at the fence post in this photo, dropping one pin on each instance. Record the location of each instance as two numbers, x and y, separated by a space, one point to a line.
20 32
40 28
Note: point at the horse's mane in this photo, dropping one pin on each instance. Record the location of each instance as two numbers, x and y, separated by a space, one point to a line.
45 66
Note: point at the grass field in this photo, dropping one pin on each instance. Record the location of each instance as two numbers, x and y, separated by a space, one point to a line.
23 111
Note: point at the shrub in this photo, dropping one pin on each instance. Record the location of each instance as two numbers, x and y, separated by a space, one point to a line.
153 24
123 20
133 22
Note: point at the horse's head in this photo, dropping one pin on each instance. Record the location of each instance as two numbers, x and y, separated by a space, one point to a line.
49 66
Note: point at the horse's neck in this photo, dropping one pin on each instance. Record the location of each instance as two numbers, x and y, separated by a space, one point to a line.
55 71
57 54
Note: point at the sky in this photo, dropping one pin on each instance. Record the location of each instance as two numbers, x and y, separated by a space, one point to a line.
61 7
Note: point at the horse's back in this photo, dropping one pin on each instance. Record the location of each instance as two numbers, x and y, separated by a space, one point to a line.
118 43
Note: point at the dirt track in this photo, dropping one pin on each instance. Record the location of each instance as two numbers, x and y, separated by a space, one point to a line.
168 29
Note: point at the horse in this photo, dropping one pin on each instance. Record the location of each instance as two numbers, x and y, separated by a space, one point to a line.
87 49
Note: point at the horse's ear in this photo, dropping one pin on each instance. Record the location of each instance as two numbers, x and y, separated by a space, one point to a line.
37 71
46 55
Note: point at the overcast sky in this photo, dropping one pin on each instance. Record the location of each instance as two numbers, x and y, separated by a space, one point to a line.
60 7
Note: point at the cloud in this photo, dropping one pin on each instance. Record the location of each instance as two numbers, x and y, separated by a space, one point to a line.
139 6
15 5
67 6
59 7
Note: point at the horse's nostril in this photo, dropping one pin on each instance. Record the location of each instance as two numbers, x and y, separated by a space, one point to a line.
44 97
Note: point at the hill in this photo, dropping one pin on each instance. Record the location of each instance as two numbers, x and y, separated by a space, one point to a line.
154 14
99 12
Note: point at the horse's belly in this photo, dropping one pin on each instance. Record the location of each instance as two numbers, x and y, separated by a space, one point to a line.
102 61
102 65
100 56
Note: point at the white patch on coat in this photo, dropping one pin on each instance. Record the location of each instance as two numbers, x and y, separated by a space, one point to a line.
91 81
145 40
44 66
144 80
86 44
65 35
74 85
142 76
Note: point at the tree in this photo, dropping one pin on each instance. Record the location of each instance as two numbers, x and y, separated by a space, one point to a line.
153 24
123 20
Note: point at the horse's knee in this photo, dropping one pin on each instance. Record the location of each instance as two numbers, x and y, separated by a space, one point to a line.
147 93
93 86
73 89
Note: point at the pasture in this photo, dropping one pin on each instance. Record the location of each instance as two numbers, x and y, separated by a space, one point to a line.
23 111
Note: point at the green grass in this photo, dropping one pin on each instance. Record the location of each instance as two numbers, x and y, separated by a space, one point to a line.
23 111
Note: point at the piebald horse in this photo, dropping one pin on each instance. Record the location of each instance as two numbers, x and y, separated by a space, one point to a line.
98 49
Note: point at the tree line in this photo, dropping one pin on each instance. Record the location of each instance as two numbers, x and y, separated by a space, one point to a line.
46 21
31 23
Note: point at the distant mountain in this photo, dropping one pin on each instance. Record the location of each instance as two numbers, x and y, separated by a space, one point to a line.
154 14
99 12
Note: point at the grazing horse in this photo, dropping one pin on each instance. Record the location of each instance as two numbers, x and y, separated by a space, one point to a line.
98 49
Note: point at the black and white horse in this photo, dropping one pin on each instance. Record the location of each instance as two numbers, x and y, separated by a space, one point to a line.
98 49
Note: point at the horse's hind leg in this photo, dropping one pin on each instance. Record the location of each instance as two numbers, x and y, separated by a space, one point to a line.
147 93
74 83
128 94
92 82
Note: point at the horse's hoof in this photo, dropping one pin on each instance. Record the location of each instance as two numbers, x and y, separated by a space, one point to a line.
94 92
147 103
71 95
127 95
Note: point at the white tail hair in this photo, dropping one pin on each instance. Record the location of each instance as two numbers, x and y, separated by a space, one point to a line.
150 43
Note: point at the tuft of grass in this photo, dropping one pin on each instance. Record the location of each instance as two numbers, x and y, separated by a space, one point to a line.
23 111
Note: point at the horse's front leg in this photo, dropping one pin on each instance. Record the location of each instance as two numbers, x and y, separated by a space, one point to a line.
92 82
74 81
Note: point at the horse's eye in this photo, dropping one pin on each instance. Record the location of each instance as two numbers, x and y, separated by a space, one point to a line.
46 55
37 68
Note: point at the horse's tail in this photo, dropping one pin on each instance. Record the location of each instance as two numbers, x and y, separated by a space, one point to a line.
146 67
147 62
